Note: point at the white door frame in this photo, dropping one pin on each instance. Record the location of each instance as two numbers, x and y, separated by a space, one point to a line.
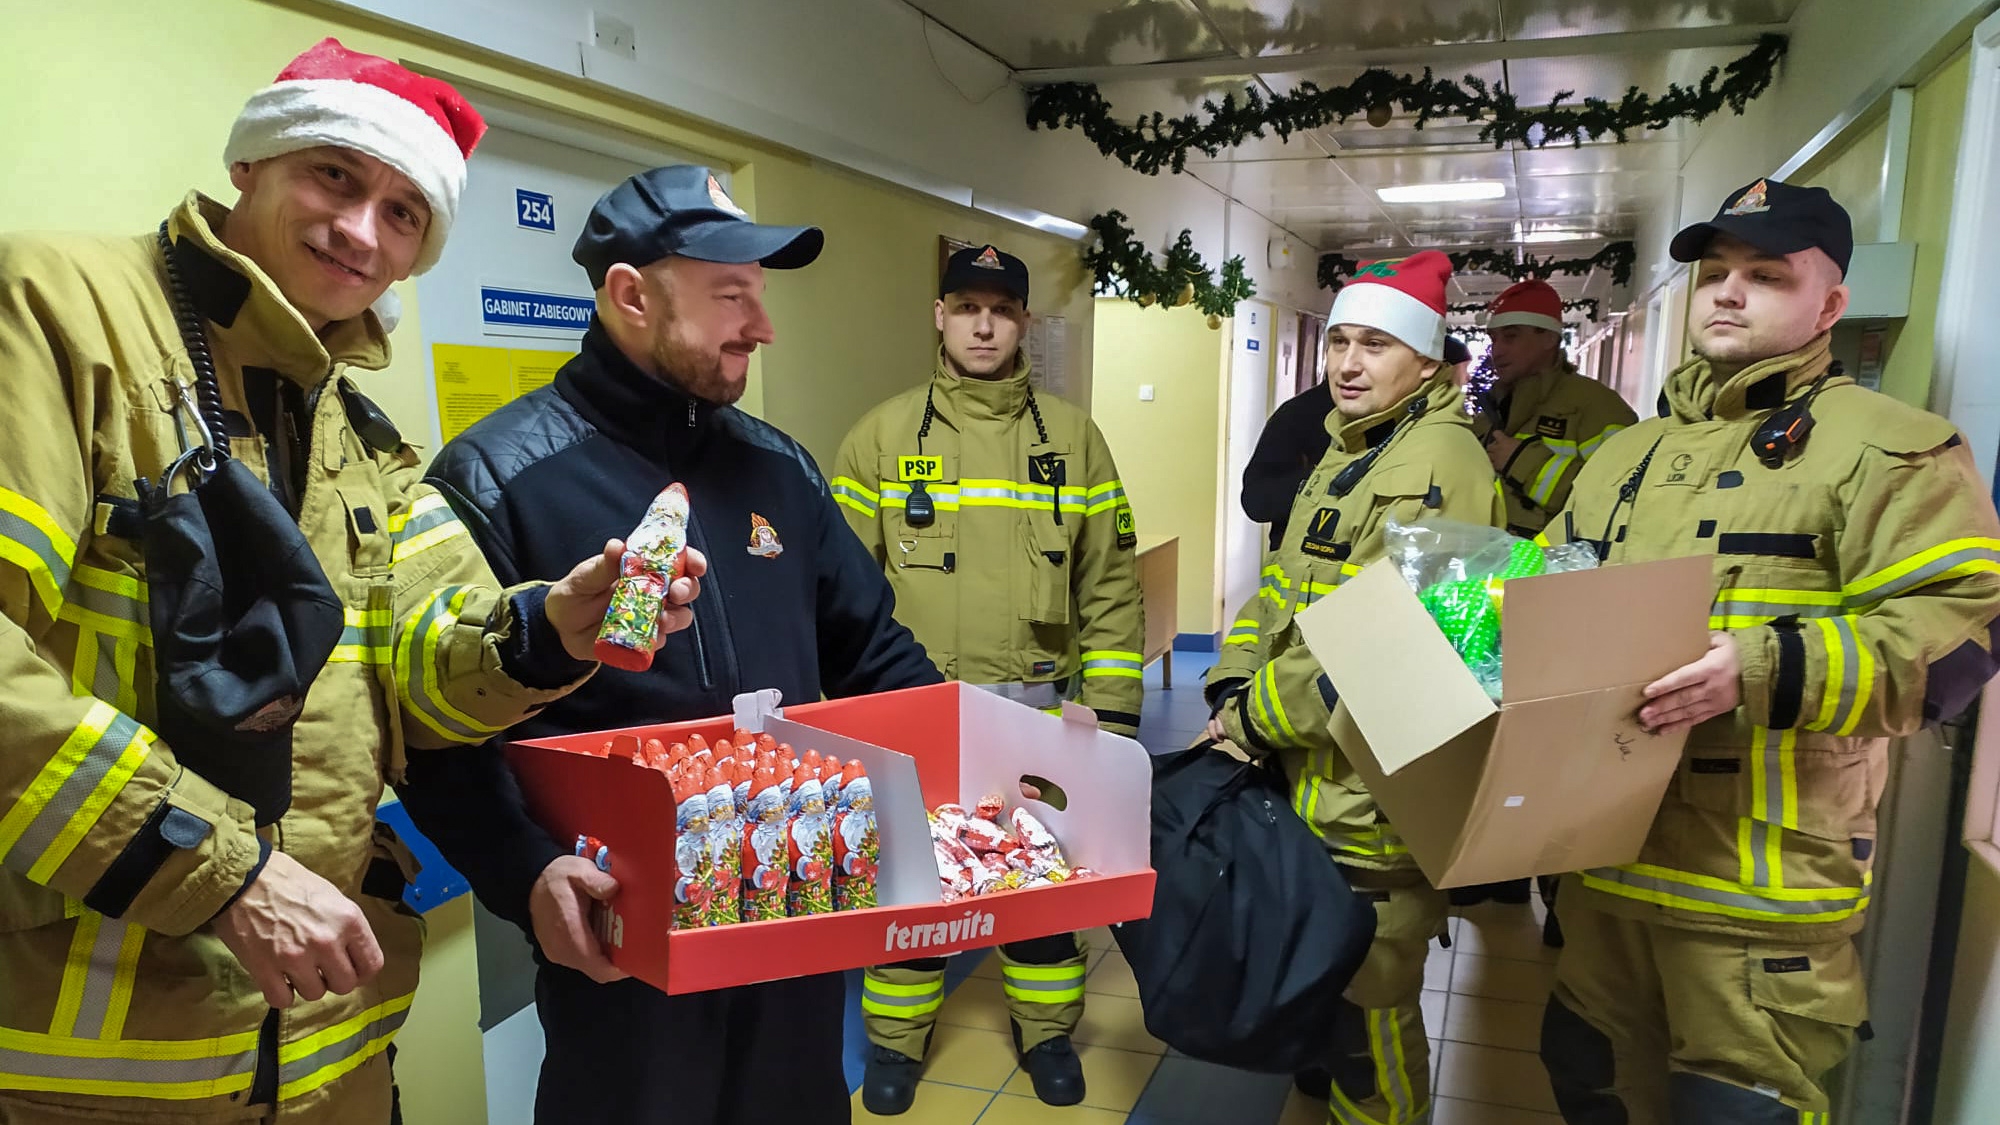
1962 385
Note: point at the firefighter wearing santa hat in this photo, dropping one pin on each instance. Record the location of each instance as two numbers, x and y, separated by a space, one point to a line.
1540 420
185 935
1402 448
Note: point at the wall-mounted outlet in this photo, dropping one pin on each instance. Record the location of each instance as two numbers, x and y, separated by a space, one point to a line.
614 35
1145 392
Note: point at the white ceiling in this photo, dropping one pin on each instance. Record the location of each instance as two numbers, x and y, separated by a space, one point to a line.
1320 185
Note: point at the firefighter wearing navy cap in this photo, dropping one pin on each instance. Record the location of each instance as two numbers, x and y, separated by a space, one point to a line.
1000 520
794 604
1857 580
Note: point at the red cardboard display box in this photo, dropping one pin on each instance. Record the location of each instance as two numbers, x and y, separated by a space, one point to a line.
922 747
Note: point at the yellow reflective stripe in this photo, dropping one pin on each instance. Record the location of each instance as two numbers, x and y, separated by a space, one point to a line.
76 970
416 668
1272 708
1114 662
124 979
176 1070
65 799
1544 488
1708 895
1305 794
98 978
1946 560
1850 676
848 501
1043 984
896 1001
1246 630
108 602
31 539
1589 448
367 636
855 488
312 1062
1746 851
411 548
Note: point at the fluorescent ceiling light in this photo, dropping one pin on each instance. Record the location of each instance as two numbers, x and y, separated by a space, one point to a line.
1443 193
1557 236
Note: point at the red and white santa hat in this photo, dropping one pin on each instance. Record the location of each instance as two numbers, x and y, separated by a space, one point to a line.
1533 303
1401 296
330 95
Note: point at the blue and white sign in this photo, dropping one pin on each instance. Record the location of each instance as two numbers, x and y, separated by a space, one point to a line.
534 210
1255 345
515 308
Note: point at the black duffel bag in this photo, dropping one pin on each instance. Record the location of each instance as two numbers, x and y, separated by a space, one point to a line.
1254 932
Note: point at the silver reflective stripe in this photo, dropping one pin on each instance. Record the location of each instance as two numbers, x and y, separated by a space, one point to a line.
1069 984
104 682
76 788
414 693
102 975
135 1072
425 521
347 1048
889 1000
1850 672
855 495
1773 768
118 607
1760 856
36 540
1924 574
1042 696
1134 665
1741 900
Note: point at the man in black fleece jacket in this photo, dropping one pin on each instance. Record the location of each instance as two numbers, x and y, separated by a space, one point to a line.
791 600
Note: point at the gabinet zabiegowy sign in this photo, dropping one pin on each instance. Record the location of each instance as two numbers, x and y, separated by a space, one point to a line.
518 308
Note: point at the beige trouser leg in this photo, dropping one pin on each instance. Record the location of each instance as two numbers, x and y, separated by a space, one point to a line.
1382 1060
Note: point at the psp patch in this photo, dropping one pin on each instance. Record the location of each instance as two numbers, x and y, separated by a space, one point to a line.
1128 529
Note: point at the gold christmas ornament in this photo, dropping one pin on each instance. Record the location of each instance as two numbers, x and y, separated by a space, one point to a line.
1379 114
1215 320
1145 300
1185 296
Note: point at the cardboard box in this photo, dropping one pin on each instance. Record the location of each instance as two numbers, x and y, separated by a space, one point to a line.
1558 776
922 748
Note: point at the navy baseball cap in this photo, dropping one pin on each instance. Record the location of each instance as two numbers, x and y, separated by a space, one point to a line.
1455 350
1777 218
681 209
985 267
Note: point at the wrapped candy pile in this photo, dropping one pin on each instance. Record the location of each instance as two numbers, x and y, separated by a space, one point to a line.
1459 571
763 833
980 853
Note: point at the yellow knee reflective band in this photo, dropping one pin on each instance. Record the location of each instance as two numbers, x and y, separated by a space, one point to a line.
320 1058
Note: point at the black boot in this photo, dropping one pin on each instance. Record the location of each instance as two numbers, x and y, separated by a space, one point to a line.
1315 1083
890 1083
1056 1071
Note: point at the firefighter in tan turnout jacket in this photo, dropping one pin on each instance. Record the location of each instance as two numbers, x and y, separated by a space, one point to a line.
1540 422
1402 448
164 956
1857 574
999 518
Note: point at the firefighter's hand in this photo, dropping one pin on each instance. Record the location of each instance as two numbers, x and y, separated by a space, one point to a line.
1697 693
1500 447
577 601
298 935
560 907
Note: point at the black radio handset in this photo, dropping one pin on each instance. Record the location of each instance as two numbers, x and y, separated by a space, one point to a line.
1781 433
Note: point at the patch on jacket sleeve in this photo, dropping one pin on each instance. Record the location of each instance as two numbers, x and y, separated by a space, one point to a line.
1128 532
1548 425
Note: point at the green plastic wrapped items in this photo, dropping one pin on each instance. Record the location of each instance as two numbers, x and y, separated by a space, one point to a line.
1468 610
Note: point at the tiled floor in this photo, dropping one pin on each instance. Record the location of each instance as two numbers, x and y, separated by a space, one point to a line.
1482 1004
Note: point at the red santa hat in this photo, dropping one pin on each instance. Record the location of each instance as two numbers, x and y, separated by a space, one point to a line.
330 95
1401 296
1533 303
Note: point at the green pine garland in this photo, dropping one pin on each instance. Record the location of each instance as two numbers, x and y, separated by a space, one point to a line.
1153 142
1589 306
1120 261
1617 257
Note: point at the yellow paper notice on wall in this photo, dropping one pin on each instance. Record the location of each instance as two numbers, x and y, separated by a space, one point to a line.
472 382
535 369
